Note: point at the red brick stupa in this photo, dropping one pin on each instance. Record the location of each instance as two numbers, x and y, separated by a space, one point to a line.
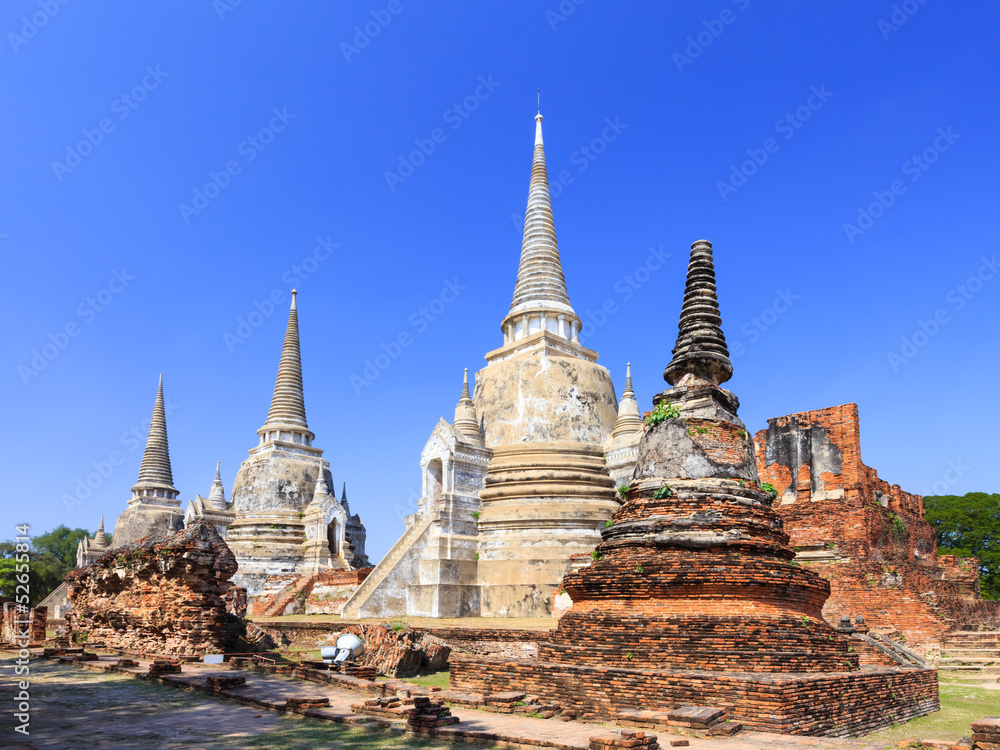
693 597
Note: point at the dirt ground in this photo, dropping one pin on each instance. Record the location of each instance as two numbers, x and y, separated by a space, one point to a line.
78 709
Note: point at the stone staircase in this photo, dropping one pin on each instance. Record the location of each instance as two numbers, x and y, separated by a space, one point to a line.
355 604
971 652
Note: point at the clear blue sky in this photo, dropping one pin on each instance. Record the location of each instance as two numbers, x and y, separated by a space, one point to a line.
833 101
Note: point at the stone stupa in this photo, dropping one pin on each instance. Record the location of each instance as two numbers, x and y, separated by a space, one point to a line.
692 597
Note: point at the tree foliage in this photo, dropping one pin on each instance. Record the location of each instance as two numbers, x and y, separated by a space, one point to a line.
969 526
52 556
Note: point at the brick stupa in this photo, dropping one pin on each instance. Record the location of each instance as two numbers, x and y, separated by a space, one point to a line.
693 597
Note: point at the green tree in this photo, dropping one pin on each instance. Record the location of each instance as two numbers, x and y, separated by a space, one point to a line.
969 526
52 556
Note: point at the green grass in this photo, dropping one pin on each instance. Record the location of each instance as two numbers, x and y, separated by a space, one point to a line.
961 704
437 679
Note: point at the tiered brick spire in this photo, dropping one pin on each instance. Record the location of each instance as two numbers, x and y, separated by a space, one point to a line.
155 475
540 291
701 346
694 571
288 408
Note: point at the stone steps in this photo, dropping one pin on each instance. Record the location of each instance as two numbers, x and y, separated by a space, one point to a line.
971 652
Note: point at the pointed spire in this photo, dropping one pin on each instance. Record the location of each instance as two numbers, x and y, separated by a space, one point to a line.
288 409
155 472
701 346
322 490
217 497
541 286
629 419
100 538
343 495
466 419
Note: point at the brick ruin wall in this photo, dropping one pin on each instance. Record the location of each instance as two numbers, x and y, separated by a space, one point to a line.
323 593
159 596
869 538
22 625
837 704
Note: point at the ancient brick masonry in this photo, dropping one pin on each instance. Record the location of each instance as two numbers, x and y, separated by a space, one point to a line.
693 597
986 733
159 595
23 625
866 536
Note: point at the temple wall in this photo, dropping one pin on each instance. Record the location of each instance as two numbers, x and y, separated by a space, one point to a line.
832 704
866 536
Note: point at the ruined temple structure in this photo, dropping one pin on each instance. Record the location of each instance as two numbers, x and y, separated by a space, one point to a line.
518 485
155 506
214 509
287 521
159 596
693 596
866 536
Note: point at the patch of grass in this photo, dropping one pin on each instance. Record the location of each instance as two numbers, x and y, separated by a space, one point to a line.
961 704
435 679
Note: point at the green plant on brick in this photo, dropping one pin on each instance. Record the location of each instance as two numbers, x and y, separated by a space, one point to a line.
768 489
662 492
623 489
609 523
661 413
595 555
476 514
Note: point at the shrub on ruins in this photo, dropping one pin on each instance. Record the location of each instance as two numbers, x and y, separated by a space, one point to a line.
769 489
969 526
661 413
52 556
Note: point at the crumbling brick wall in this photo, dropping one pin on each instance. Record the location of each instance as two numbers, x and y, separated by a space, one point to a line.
323 593
23 625
869 538
164 596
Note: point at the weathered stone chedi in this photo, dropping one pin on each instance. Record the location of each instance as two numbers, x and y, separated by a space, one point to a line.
695 571
519 484
693 596
287 521
547 409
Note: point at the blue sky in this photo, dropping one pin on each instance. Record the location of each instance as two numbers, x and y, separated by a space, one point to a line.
765 128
